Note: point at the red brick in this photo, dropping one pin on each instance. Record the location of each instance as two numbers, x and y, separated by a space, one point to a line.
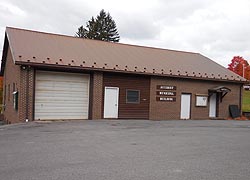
171 110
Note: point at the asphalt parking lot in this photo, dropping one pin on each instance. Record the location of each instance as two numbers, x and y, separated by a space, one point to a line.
126 150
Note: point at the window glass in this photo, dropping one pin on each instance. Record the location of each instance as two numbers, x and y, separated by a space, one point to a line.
8 92
4 99
15 100
133 96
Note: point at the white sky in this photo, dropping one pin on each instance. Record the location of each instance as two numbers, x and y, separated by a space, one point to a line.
218 29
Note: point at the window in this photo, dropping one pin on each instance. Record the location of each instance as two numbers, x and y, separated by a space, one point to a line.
133 96
4 96
8 92
14 87
201 100
15 100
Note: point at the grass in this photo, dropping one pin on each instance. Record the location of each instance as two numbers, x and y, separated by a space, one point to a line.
246 101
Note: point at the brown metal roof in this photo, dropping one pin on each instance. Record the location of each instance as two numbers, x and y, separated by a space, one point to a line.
38 48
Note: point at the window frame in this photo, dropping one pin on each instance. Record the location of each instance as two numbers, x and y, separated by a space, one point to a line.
198 102
9 92
15 100
139 94
5 92
14 87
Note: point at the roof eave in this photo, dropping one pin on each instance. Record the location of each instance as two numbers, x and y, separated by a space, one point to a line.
4 54
57 66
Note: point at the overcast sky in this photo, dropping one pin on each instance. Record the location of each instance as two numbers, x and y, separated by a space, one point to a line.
218 29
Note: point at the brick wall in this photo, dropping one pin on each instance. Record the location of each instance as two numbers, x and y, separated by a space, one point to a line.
23 81
97 98
11 83
232 97
15 79
26 95
171 110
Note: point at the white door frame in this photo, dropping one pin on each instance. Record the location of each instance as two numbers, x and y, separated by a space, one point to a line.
185 106
109 105
213 105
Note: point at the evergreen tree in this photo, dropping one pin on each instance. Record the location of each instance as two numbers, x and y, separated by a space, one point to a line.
102 27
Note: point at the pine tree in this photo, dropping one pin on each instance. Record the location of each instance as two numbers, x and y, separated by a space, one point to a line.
103 27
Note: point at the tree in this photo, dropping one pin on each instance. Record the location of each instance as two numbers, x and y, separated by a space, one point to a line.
247 73
240 66
103 27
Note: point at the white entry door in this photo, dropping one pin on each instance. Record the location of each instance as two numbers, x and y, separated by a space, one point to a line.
212 105
185 106
111 102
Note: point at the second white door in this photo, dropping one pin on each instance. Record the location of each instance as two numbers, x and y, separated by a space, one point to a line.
185 106
212 105
111 102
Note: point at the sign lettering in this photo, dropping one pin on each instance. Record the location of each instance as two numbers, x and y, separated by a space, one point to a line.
166 99
166 87
166 93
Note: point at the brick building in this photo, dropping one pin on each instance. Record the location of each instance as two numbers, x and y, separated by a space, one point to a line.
49 76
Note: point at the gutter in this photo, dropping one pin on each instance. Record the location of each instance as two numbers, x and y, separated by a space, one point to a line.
69 67
27 94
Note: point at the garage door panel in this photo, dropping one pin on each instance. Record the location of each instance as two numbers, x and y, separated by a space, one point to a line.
61 95
60 103
70 98
61 87
54 117
50 108
59 110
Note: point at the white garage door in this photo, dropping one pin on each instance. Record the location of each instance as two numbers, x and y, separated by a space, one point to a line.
61 95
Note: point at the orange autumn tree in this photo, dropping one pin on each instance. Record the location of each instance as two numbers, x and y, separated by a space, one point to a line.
247 72
240 66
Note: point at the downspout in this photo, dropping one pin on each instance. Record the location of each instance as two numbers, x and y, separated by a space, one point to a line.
27 95
240 105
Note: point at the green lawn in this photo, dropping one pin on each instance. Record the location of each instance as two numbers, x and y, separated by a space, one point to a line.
246 101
